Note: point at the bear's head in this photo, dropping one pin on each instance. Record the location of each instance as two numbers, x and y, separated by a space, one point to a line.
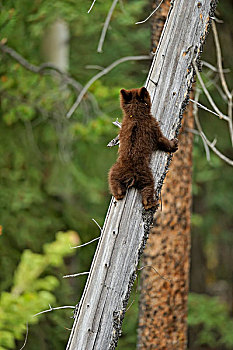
135 100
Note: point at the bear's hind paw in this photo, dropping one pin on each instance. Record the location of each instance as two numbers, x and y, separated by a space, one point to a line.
149 203
119 194
118 197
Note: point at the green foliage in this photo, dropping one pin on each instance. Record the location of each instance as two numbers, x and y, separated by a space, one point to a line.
53 170
209 318
213 203
212 318
30 293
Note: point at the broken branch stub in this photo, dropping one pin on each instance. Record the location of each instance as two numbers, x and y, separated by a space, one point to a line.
125 231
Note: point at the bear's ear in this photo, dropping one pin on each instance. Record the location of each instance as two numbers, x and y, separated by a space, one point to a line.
144 94
127 95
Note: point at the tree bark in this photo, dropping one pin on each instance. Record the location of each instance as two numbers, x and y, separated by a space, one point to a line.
125 231
163 304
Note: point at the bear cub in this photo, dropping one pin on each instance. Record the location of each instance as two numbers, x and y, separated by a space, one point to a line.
140 135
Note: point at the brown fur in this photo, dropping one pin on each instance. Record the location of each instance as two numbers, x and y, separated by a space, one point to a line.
140 135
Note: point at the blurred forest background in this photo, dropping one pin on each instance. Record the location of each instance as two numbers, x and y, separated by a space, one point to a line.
53 178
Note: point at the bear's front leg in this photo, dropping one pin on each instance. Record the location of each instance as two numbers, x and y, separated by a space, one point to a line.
167 145
161 142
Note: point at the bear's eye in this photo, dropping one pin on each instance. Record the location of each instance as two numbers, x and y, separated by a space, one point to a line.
140 99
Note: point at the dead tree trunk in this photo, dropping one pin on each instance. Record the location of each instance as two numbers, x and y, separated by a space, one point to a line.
163 305
126 228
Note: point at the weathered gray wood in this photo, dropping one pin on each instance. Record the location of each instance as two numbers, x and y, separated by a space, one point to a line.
113 271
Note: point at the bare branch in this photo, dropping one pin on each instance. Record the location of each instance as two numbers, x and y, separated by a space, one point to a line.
97 224
206 142
99 75
219 61
132 302
117 123
193 131
217 20
219 113
196 132
219 154
114 142
25 340
54 308
207 151
230 118
93 3
135 294
151 13
76 274
48 69
93 240
83 245
218 88
152 267
207 109
213 68
94 66
17 57
213 148
223 80
225 93
139 269
106 24
45 68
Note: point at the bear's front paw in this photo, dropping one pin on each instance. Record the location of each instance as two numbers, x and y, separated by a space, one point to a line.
174 145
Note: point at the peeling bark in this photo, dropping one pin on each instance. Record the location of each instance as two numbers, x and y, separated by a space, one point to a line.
113 271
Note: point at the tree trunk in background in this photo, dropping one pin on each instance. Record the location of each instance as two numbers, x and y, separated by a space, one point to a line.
55 46
55 50
157 22
163 304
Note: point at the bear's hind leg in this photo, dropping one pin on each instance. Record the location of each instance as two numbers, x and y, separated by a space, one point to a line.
145 184
148 197
116 183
